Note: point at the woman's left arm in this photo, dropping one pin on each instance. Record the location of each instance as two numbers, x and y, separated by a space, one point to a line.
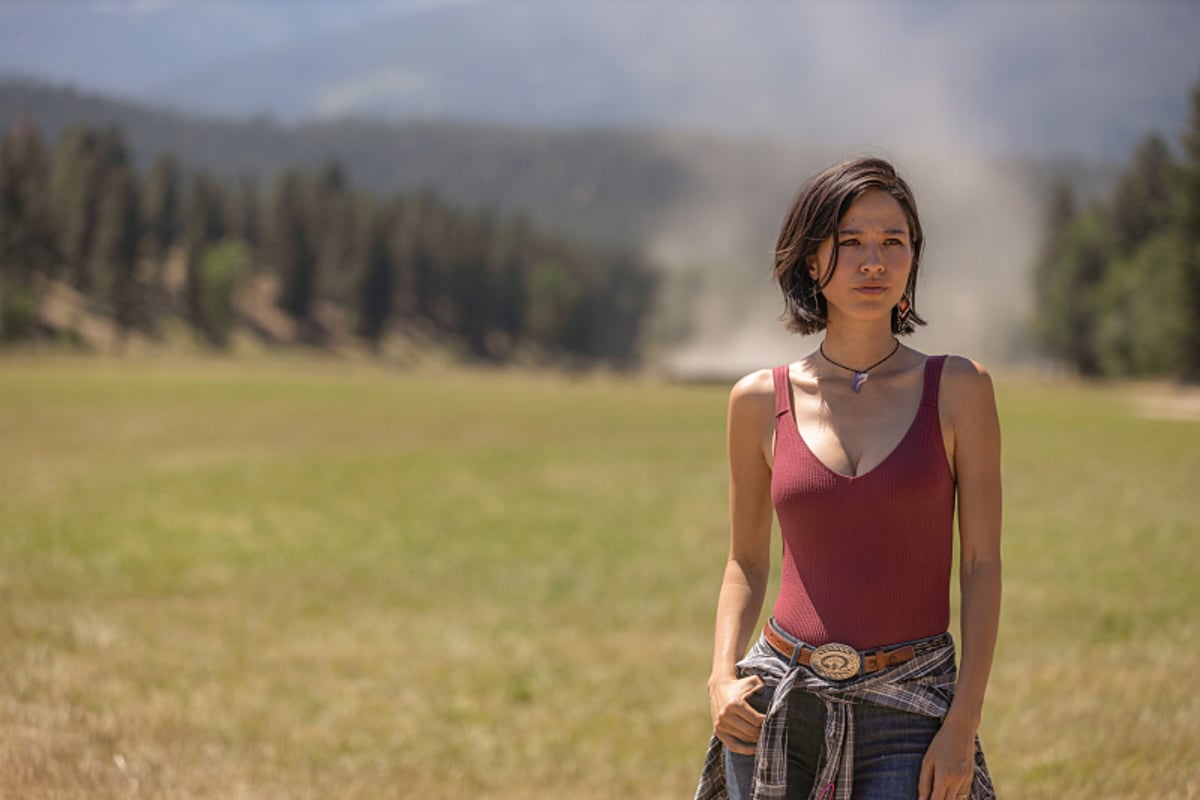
969 407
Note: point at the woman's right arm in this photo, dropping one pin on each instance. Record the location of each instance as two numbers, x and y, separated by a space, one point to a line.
750 431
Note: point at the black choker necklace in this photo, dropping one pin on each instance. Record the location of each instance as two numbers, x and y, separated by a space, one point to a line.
860 375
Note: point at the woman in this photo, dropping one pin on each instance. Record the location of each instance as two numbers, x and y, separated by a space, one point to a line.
863 448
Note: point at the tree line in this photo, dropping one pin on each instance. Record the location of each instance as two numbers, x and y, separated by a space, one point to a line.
493 287
1118 281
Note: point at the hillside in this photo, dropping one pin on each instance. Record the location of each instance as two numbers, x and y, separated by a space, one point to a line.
607 186
704 209
604 186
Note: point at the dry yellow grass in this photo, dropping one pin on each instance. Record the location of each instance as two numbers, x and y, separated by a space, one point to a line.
252 579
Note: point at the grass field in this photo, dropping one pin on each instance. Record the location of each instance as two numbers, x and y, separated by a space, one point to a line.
303 580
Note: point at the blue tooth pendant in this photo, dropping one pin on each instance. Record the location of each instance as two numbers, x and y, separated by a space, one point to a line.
858 380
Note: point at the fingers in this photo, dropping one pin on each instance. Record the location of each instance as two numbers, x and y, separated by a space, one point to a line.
961 793
942 785
741 721
948 767
951 784
925 785
738 746
737 723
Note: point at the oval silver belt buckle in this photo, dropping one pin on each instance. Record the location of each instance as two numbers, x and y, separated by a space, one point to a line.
835 661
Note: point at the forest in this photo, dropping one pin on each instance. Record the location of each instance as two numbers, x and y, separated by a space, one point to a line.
143 248
1118 279
547 270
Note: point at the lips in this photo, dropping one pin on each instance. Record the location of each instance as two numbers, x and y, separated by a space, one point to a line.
870 290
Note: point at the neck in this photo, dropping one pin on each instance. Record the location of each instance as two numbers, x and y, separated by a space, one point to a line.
858 347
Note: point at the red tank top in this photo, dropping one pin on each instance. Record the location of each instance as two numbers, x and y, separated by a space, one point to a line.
866 560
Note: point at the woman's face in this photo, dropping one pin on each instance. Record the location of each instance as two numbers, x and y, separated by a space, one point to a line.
874 258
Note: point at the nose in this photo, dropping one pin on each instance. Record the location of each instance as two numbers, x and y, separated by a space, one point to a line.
872 263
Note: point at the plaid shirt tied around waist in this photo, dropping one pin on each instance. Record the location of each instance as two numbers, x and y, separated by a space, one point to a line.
923 685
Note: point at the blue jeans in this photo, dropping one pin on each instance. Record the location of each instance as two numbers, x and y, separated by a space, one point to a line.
889 746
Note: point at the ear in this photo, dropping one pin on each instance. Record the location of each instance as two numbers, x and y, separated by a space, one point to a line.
812 267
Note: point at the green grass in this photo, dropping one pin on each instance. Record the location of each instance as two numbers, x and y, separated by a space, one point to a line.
309 580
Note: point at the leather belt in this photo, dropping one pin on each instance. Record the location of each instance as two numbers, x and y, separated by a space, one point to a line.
840 662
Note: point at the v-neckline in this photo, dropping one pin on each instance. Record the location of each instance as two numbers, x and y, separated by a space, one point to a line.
791 410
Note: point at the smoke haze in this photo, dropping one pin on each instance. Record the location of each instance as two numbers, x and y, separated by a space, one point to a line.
982 225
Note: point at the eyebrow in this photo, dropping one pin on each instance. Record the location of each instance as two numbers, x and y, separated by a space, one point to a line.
857 232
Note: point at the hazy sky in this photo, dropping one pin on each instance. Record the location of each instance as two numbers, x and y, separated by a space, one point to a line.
1086 76
88 42
942 86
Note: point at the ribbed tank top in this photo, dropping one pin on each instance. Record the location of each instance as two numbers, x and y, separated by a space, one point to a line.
866 559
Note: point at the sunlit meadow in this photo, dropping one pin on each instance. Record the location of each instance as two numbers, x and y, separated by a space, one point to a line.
307 579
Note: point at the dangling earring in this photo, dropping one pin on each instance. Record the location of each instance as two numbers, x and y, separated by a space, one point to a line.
903 312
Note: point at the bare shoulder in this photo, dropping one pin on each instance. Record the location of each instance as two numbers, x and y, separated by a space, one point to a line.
967 388
751 421
754 387
753 397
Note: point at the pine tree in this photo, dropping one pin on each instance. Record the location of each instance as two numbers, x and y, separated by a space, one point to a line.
203 212
1137 215
402 243
426 220
242 213
333 234
511 246
116 247
161 206
75 183
83 163
202 226
1068 319
376 285
292 252
1143 198
470 283
1188 228
27 243
27 235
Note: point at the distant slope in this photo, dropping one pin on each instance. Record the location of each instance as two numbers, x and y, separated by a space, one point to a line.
704 209
607 187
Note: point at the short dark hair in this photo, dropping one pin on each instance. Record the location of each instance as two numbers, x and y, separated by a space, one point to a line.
814 217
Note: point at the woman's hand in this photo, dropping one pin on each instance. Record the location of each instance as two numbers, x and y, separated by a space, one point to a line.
949 763
735 722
